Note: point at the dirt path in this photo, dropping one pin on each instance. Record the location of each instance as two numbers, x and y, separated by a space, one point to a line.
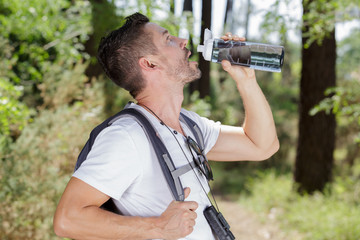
247 225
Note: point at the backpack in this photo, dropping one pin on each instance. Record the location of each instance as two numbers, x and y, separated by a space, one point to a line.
171 174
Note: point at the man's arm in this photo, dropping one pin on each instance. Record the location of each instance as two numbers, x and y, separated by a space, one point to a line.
79 216
257 139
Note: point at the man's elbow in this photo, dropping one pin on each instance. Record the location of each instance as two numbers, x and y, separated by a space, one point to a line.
61 225
270 151
275 147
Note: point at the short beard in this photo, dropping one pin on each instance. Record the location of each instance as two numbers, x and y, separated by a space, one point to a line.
185 73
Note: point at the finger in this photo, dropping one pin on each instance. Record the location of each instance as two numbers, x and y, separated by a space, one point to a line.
226 65
193 215
189 230
187 192
229 34
192 205
236 38
188 205
225 38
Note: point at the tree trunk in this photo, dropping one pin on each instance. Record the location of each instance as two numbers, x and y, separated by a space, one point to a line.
172 6
203 85
101 9
228 20
247 17
316 143
104 19
228 26
188 6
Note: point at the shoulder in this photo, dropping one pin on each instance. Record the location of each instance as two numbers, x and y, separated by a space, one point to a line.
209 128
203 122
123 132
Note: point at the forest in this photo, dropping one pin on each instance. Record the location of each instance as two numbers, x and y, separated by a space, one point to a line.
53 93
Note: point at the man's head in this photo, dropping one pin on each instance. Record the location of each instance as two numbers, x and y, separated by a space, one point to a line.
140 47
172 58
120 51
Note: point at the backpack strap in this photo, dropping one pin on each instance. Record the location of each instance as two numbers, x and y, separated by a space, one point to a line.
164 158
195 129
171 174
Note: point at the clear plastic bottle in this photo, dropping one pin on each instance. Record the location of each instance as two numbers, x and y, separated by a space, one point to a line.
254 55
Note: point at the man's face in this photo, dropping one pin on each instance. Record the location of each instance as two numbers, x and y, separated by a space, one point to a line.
173 54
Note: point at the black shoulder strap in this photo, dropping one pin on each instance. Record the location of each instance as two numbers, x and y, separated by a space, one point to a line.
170 172
194 129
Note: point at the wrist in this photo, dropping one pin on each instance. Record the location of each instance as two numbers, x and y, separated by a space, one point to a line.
156 228
247 86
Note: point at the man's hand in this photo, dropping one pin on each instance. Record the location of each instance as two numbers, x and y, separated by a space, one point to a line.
178 220
238 73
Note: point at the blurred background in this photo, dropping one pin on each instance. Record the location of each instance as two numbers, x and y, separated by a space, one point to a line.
53 92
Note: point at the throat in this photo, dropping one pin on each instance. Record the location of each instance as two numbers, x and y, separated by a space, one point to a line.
173 126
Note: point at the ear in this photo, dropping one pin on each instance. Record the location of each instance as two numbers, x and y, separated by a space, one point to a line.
147 64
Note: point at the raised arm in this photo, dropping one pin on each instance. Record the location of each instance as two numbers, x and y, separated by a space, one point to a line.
79 216
257 138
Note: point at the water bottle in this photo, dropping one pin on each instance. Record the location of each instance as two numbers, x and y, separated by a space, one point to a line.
254 55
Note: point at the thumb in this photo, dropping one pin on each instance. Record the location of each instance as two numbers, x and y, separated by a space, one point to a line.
226 65
187 192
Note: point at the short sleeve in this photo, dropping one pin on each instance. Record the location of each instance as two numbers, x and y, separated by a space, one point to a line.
113 163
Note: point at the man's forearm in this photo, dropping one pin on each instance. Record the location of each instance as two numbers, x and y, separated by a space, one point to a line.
95 223
259 124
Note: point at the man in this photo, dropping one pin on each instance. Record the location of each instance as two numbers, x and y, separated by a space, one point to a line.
153 66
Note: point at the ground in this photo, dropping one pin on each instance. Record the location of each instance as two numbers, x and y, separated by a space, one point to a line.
247 225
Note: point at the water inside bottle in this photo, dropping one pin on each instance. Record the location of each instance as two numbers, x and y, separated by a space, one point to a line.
254 55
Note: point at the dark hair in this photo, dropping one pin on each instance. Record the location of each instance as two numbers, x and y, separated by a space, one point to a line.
120 50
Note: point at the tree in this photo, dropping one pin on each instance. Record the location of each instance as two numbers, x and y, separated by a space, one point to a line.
203 85
228 20
344 100
316 142
172 6
247 19
188 10
103 19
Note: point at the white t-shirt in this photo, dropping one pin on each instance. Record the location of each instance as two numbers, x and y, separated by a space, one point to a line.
123 165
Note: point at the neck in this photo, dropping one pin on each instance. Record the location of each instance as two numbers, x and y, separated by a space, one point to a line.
165 107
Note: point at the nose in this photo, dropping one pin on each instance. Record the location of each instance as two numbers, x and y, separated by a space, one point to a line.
183 42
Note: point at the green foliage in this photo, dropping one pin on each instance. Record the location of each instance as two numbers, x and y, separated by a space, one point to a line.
333 215
32 173
348 59
33 36
43 67
318 20
275 22
13 113
57 29
321 16
344 102
157 11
